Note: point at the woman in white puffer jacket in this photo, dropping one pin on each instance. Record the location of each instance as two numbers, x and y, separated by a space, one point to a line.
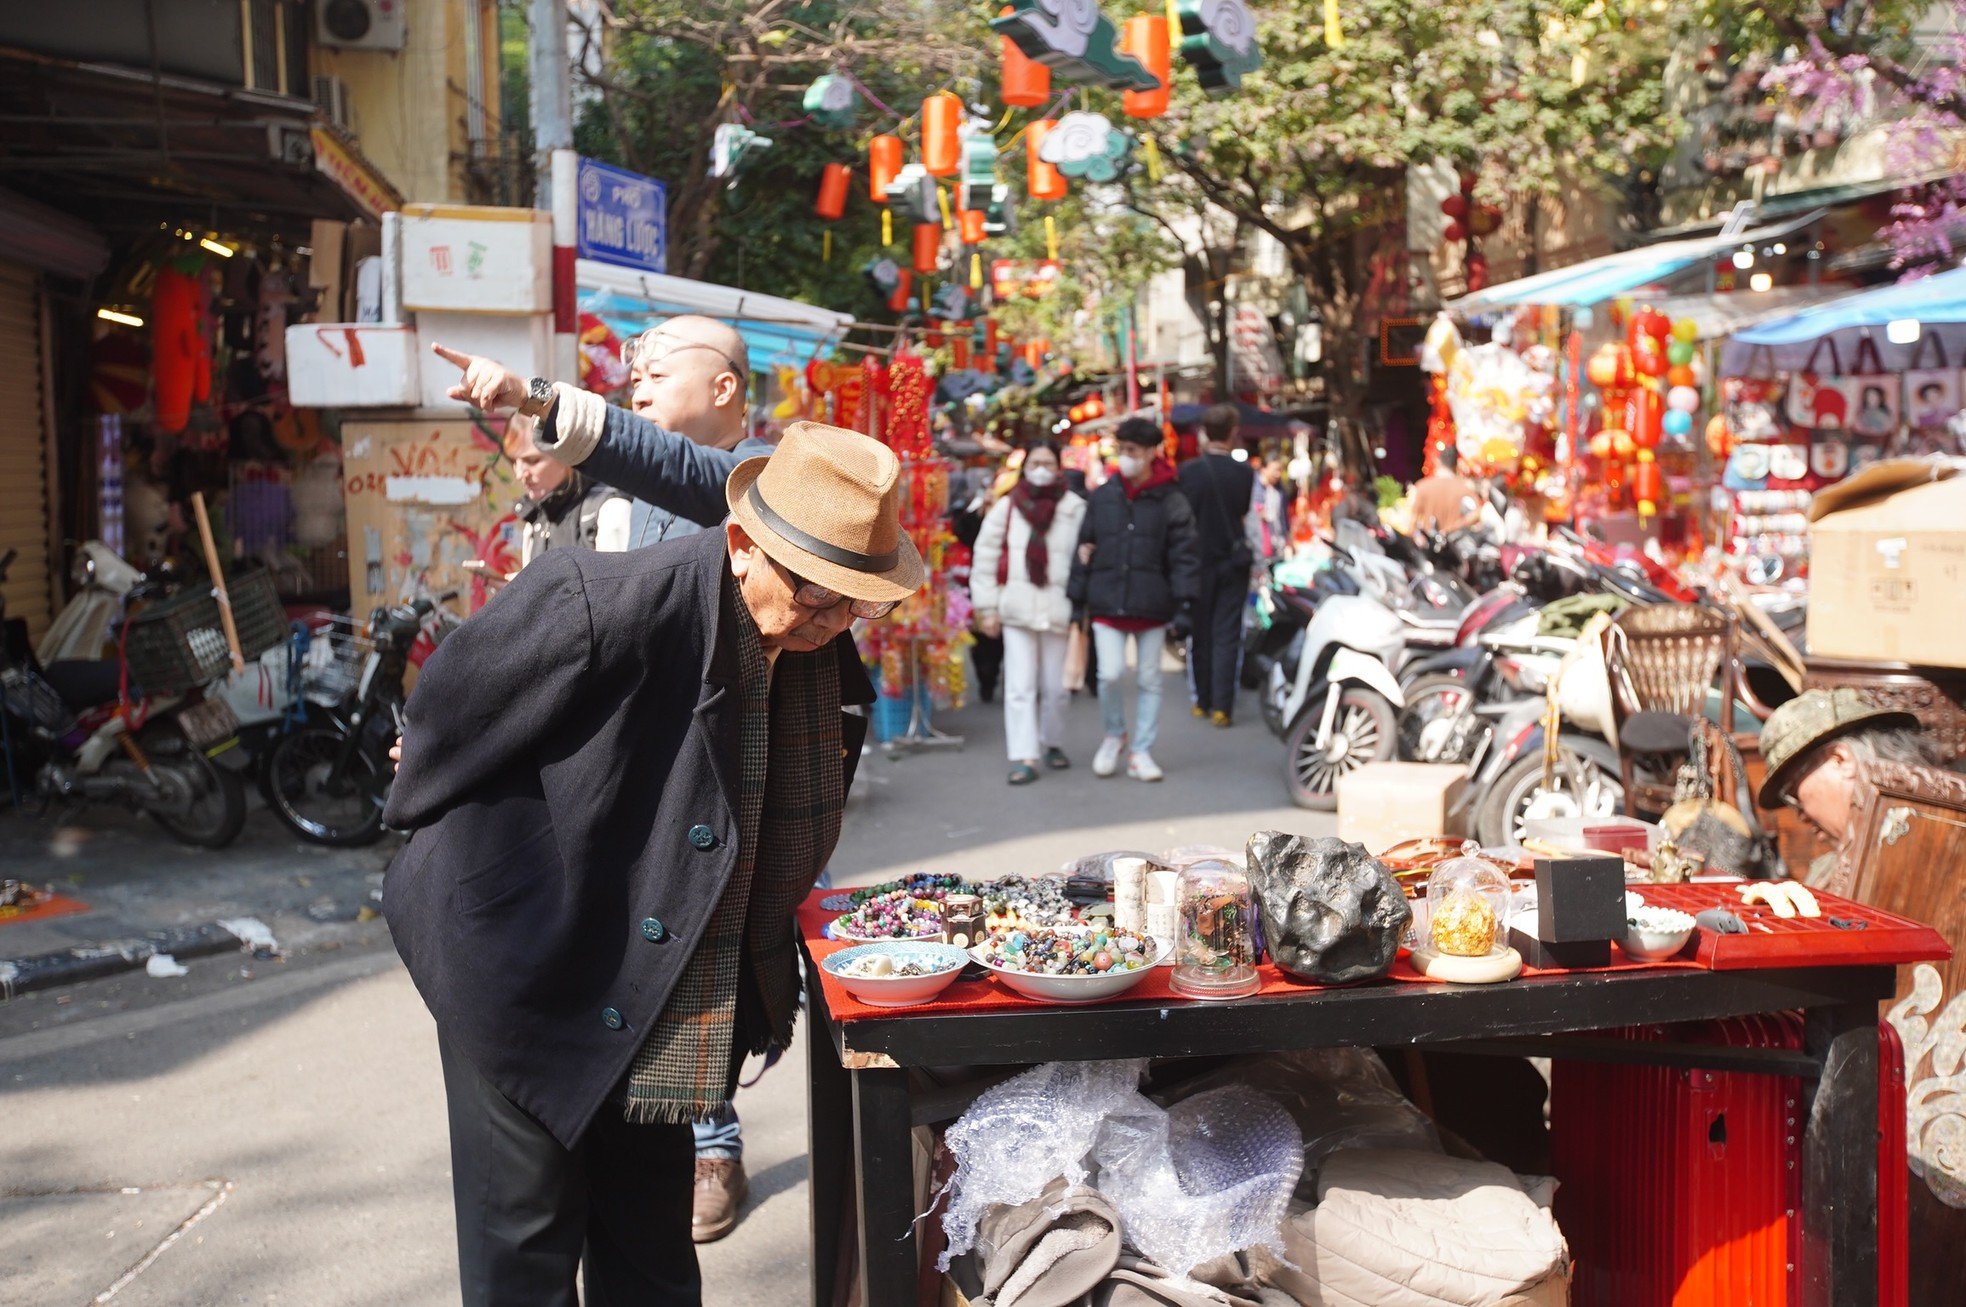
1017 583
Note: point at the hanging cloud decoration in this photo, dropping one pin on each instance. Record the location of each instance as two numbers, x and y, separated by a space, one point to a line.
733 148
1218 38
1086 145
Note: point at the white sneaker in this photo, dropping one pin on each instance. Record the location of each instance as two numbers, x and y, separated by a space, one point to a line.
1142 767
1107 760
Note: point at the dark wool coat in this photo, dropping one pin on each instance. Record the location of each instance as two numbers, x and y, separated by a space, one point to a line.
1144 562
570 770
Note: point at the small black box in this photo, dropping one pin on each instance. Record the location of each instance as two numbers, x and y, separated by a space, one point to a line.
1580 899
1552 956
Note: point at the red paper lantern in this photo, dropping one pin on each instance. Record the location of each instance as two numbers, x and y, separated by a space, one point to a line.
971 223
1145 38
1649 357
884 155
1076 413
1095 407
1042 181
928 247
959 349
989 344
1607 367
1455 206
1455 231
942 149
1034 352
1648 484
904 286
1026 82
833 181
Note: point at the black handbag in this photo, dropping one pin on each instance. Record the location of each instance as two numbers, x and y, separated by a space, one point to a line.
1697 813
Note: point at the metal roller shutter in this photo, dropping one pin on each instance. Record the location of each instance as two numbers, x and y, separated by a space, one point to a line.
23 452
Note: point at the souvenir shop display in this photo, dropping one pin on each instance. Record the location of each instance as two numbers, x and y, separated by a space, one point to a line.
1066 965
898 974
897 914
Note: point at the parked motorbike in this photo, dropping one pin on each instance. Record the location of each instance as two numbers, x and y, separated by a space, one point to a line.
81 731
327 773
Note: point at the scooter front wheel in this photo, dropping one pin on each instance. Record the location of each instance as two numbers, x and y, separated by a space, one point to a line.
322 798
1364 729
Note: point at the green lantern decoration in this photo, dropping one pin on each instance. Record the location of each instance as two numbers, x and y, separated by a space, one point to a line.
734 148
911 196
1086 145
979 171
1075 40
830 101
1218 39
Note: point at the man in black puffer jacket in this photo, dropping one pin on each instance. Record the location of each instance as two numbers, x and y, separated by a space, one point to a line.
1137 570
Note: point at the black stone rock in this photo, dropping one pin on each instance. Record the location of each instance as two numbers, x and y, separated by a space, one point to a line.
1331 912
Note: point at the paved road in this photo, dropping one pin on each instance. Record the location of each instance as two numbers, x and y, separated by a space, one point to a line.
272 1131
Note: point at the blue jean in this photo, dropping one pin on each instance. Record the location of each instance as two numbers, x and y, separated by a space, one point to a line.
721 1136
1111 643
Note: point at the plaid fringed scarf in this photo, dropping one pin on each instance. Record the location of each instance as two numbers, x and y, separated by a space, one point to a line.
788 820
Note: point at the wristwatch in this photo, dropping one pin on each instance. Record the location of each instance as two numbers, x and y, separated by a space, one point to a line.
539 397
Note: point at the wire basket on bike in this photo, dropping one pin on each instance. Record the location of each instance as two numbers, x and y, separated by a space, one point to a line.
331 668
177 642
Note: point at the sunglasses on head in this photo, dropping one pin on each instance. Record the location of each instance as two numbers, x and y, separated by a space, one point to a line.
810 594
643 348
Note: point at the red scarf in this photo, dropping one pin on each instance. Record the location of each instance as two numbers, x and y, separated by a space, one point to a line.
1038 507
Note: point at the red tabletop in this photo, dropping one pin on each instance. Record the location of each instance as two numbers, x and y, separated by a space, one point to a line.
1785 943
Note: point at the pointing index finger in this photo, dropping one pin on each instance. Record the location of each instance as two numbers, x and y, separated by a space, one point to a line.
450 355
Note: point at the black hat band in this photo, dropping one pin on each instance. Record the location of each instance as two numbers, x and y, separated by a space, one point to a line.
874 564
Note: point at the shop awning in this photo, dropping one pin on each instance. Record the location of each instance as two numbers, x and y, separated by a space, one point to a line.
1936 303
1596 280
1720 315
775 330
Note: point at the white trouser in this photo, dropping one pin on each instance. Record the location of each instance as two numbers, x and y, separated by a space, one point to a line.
1033 691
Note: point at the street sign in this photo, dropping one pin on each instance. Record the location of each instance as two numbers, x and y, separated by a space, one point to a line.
624 217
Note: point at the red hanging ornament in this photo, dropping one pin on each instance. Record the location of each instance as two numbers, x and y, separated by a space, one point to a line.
884 154
928 247
904 285
1042 180
971 221
1145 38
833 181
1026 82
942 151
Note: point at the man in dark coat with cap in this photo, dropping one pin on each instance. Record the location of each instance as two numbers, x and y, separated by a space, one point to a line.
622 776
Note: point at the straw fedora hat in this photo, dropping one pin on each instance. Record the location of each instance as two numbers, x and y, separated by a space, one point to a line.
1811 718
827 505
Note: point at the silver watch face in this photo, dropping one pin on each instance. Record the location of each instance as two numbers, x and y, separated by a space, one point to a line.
540 391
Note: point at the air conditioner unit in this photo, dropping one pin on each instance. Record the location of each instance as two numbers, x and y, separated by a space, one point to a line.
291 144
360 24
331 94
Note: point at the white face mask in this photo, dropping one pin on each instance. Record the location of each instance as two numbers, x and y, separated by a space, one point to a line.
1131 465
1040 477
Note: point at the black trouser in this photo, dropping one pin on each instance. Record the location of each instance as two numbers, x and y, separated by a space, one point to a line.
1215 636
529 1211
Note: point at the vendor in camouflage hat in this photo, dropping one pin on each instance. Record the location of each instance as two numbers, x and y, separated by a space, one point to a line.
1821 748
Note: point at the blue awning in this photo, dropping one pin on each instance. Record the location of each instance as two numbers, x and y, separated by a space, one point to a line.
775 330
1597 280
1937 303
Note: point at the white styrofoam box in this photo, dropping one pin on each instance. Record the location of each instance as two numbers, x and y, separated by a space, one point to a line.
524 345
352 365
471 259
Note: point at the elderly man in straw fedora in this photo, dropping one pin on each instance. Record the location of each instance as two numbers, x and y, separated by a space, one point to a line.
622 776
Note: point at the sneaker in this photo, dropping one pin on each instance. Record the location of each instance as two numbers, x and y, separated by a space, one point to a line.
1055 758
1219 718
1023 774
1198 710
1142 767
720 1191
1107 760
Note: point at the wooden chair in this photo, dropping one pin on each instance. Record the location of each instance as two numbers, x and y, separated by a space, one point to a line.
1664 659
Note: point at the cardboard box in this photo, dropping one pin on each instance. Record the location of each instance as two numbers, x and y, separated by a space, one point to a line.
1887 566
1384 803
353 365
466 259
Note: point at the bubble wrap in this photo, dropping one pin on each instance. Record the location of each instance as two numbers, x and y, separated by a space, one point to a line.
1209 1177
1019 1135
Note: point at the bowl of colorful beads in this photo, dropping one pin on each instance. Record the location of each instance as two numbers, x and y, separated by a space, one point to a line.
1082 965
897 973
895 915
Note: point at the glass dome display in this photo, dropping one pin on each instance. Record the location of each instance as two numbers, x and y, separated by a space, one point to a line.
1467 904
1214 943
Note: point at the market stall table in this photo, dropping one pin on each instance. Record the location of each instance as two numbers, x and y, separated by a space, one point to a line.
862 1109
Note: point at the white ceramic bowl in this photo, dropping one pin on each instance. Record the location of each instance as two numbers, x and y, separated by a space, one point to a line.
1072 989
898 991
1655 934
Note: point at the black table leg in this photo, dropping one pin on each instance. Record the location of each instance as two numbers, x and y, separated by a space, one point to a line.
886 1168
829 1150
1839 1186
